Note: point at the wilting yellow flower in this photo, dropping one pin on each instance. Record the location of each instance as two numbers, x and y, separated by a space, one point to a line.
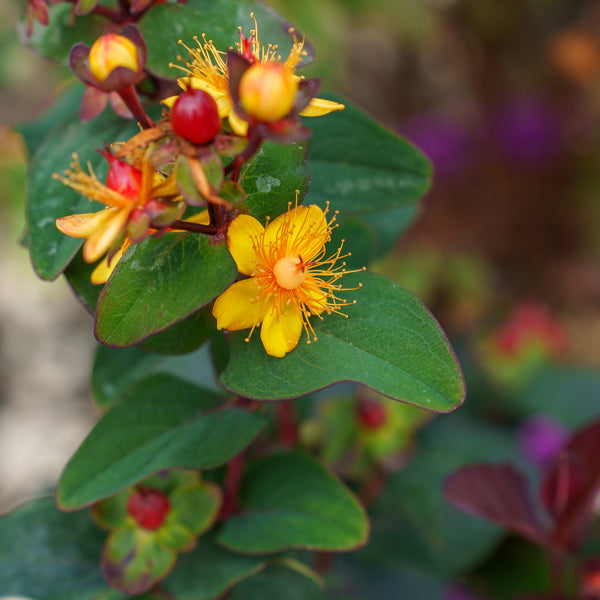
131 200
290 277
207 70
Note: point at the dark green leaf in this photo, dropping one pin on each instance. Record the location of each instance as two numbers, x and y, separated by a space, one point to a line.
220 570
360 166
49 555
185 336
55 40
116 369
78 274
65 106
47 199
161 422
165 24
160 282
389 342
272 177
276 583
291 501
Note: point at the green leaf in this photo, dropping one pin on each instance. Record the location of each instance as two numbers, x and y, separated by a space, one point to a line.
133 561
114 370
161 422
160 282
220 571
56 40
360 166
34 132
165 24
412 524
291 501
272 177
193 511
185 336
78 274
47 199
49 555
389 342
276 583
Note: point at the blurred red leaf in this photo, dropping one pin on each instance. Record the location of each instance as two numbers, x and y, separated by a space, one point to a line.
498 493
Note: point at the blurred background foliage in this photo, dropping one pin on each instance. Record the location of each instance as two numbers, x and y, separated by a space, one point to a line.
504 98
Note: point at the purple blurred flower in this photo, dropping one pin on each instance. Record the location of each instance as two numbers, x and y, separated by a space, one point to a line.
444 141
458 592
527 130
541 439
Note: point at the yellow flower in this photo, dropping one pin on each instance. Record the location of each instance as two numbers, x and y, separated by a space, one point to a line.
110 51
207 70
290 277
131 200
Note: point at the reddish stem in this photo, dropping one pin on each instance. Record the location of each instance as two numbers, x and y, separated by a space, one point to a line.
372 488
287 428
235 166
110 13
231 487
194 227
130 97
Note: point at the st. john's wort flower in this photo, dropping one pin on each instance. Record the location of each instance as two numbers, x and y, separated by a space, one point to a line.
285 92
136 200
291 278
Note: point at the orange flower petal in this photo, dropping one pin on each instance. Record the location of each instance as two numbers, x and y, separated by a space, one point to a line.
241 238
86 224
239 306
280 333
100 241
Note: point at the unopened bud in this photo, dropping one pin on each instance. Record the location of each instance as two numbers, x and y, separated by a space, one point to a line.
149 507
138 225
122 177
267 91
110 51
371 414
161 213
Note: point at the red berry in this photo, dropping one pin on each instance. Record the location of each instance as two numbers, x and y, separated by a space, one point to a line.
371 414
195 116
122 177
148 507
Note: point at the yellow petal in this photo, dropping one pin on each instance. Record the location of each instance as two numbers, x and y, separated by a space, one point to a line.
221 97
244 231
239 126
168 102
239 306
86 224
302 230
318 107
280 333
201 218
103 271
100 241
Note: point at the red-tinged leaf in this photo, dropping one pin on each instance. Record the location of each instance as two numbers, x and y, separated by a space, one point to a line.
498 493
571 486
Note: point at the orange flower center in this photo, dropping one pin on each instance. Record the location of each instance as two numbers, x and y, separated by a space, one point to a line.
289 272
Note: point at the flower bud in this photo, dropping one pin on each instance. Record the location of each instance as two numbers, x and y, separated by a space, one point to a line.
267 91
138 225
195 116
122 177
149 507
110 51
371 414
161 213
